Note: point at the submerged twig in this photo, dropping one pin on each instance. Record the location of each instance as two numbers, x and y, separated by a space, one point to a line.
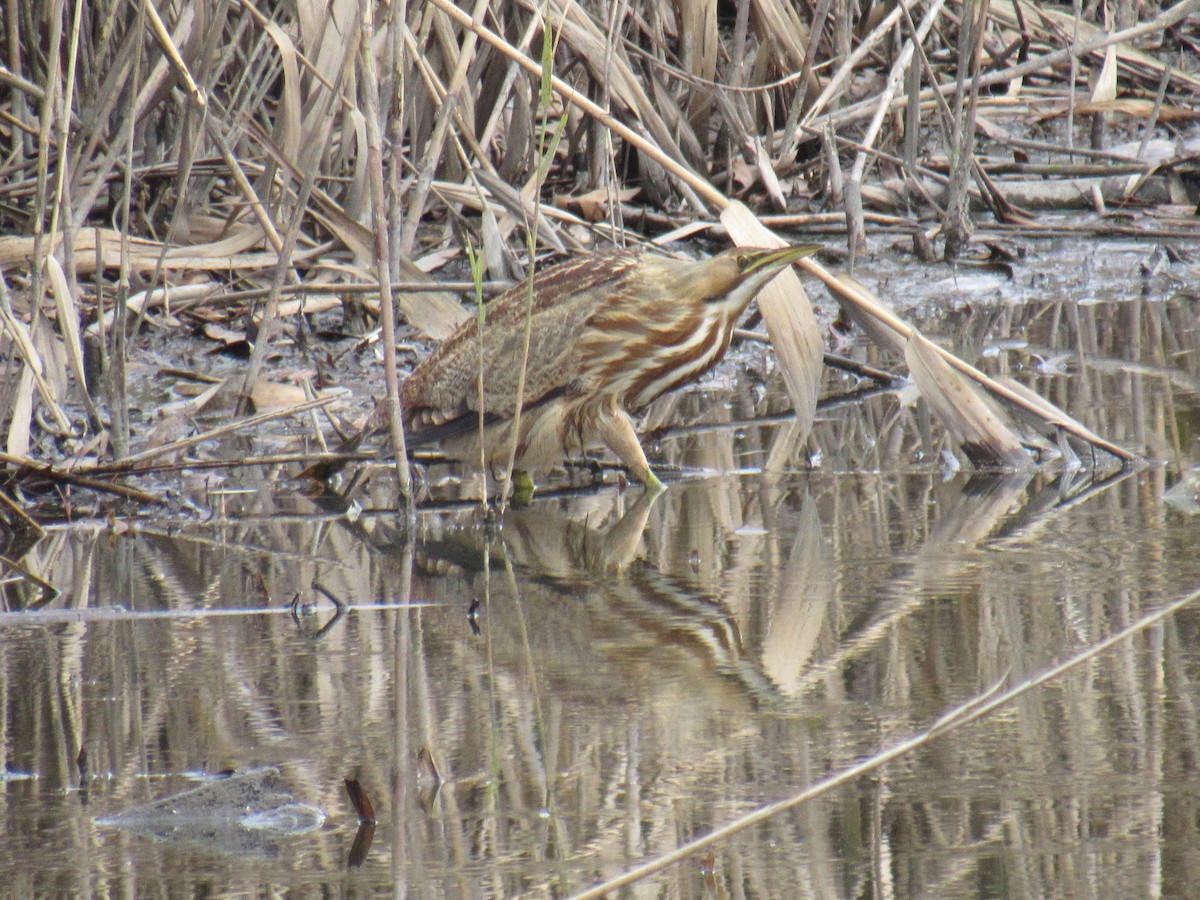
62 476
132 461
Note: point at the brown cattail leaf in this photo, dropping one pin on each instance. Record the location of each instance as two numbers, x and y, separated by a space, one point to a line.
327 30
682 127
288 135
766 172
520 206
493 244
609 61
353 148
360 801
177 417
698 23
869 313
238 239
53 355
1062 21
683 232
784 449
17 442
701 46
789 318
306 305
971 420
782 33
886 328
1106 81
434 313
356 237
27 349
969 518
103 246
1044 414
68 321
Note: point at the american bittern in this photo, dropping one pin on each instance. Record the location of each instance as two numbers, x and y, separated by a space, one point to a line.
610 332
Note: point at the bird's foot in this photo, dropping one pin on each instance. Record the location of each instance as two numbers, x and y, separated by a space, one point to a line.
650 483
523 488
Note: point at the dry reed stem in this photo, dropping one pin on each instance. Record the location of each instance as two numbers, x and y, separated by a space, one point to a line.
383 254
433 149
568 93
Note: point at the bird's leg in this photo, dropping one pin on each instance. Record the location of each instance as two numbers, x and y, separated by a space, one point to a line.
617 432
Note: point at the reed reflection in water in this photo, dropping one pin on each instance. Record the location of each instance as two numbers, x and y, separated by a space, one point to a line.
600 679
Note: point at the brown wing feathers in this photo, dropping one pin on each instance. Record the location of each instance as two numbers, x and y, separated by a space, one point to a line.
445 387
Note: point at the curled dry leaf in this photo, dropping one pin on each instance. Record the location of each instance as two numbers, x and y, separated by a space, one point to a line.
269 395
360 801
17 443
222 335
288 134
972 421
68 321
789 318
594 205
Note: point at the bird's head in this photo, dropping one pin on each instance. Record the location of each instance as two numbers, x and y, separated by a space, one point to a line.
735 276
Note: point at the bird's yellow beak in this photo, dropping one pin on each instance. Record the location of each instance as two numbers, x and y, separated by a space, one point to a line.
754 261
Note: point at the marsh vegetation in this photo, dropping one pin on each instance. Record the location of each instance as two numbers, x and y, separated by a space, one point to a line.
210 212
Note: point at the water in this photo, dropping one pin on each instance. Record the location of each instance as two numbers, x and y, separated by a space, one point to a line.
600 679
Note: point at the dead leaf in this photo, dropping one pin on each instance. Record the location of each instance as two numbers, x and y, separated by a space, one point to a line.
271 395
766 172
1106 83
223 335
68 322
431 262
788 315
22 414
971 420
593 206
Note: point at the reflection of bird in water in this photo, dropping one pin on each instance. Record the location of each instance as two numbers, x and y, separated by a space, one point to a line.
610 332
589 603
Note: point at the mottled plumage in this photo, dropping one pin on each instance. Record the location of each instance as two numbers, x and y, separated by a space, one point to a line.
611 332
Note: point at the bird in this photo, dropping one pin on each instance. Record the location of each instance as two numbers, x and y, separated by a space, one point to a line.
611 331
